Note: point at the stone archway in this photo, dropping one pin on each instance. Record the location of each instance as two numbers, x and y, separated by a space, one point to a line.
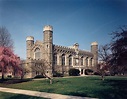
82 71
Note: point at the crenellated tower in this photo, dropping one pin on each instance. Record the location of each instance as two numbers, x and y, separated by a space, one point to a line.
29 44
48 46
94 50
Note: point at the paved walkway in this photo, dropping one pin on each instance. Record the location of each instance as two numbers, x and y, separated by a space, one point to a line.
41 94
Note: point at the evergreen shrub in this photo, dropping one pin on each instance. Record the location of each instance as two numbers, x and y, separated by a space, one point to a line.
74 72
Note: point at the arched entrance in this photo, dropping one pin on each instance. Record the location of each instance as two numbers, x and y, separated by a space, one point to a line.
82 71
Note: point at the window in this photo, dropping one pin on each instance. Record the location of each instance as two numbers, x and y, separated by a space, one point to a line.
37 53
63 59
55 59
91 60
87 61
81 60
76 61
70 60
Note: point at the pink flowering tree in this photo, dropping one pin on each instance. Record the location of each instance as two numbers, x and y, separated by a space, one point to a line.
9 61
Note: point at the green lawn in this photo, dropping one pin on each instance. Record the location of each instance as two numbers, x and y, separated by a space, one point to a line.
4 95
111 88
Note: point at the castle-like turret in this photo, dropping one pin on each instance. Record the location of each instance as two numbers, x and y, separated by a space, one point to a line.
48 46
76 46
94 50
29 44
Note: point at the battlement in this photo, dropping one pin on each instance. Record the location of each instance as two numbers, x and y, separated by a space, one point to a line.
85 52
30 38
48 27
63 47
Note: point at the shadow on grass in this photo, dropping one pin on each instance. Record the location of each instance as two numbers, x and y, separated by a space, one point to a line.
4 95
77 94
23 97
115 89
14 81
56 82
110 88
63 82
50 90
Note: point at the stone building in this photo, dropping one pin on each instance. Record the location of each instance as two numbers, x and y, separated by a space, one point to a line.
60 58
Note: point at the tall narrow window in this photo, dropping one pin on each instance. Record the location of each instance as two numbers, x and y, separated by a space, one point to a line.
70 60
87 61
91 60
37 53
55 59
82 60
63 59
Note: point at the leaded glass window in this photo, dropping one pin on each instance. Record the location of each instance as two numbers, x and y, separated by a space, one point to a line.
63 59
70 60
37 53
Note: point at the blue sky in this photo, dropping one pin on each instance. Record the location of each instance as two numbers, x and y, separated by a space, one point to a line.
82 21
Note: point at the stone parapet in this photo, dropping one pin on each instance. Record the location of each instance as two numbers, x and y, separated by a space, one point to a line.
30 38
48 27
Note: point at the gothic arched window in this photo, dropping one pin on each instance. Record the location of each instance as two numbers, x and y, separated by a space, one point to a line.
87 61
37 53
55 59
70 60
82 60
63 59
91 61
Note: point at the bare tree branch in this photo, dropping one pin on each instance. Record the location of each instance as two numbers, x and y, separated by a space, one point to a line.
42 66
5 38
104 53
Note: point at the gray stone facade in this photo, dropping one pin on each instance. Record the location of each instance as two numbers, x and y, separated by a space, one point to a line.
60 58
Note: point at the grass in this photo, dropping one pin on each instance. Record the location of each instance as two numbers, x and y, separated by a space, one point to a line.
4 95
111 88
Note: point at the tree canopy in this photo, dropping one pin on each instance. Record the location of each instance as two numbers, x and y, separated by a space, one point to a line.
119 47
8 60
114 55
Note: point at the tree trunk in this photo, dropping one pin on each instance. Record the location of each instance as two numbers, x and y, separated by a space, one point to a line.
2 74
102 77
22 75
50 81
47 77
102 74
